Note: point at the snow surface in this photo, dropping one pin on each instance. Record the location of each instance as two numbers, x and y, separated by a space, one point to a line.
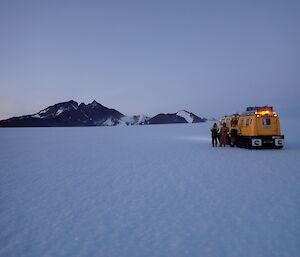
158 190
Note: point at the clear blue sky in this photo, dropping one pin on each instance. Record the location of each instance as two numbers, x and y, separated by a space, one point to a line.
209 57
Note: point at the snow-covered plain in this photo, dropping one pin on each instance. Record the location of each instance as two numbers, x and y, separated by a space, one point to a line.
158 190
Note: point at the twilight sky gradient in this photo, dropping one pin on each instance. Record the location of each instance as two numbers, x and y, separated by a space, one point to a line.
209 57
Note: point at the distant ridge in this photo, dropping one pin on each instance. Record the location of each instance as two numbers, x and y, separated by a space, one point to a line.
168 118
70 113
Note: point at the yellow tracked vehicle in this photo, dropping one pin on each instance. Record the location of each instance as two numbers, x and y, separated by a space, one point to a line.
258 127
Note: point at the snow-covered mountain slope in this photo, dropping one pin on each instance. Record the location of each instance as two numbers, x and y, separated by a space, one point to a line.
146 191
133 120
56 110
186 115
190 117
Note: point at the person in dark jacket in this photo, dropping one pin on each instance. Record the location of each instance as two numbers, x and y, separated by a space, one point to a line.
214 134
233 134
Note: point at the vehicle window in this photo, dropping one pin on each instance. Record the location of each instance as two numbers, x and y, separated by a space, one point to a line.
247 122
242 122
266 121
250 121
228 122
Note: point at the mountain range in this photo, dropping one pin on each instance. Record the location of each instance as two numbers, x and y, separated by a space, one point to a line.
68 114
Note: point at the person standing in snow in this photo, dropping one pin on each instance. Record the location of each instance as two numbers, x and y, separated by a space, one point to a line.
233 134
214 134
224 133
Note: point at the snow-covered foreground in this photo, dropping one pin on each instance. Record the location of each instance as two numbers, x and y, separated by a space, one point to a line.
158 190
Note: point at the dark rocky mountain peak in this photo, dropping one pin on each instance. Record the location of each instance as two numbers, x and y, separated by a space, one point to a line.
93 114
95 104
67 114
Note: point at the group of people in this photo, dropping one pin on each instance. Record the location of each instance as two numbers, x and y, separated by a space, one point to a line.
224 135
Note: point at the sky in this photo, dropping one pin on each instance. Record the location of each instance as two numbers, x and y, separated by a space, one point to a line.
208 57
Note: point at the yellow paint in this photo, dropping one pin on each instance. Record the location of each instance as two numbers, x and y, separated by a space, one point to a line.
252 125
